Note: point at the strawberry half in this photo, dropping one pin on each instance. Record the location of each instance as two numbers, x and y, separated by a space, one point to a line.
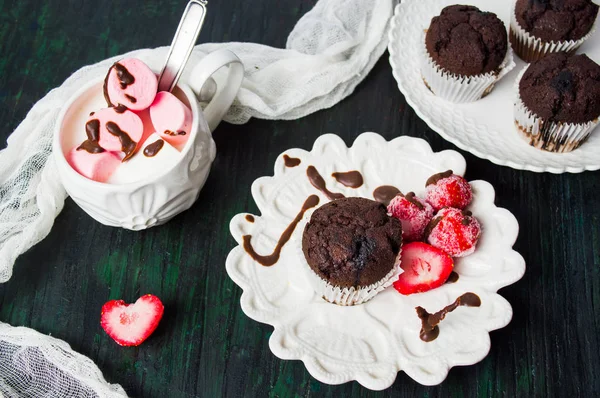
131 324
425 268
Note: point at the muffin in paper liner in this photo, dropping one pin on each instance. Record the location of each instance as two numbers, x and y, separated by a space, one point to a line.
529 48
345 296
548 135
461 89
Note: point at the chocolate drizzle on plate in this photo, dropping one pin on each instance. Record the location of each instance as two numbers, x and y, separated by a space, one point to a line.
429 322
318 182
152 149
291 162
436 177
453 278
174 133
351 179
385 193
272 258
127 144
249 218
92 130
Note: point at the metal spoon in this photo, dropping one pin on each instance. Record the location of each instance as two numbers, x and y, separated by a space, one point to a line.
181 49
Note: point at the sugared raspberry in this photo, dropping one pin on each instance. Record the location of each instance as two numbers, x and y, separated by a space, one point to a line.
448 190
414 213
454 231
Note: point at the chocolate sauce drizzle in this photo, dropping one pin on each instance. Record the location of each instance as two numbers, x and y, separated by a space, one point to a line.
318 182
90 146
272 258
385 193
174 133
453 278
351 179
249 218
125 79
436 177
411 198
152 149
127 144
92 130
429 322
291 162
120 108
131 98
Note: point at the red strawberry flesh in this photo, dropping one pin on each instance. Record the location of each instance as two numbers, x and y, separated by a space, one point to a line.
131 324
425 268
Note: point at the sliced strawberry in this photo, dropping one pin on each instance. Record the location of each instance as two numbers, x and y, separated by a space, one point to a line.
131 324
425 268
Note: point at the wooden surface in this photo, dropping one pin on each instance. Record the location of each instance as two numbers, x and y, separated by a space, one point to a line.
205 345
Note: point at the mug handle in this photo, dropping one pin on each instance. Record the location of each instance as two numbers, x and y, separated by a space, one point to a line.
224 96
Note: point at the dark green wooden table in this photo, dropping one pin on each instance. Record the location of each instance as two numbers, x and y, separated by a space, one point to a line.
205 345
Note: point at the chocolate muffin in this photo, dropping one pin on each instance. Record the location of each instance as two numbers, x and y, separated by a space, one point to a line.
466 41
559 101
556 20
465 53
539 27
352 242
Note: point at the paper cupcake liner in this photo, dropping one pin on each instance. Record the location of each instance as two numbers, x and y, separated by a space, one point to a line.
548 135
461 89
529 48
346 296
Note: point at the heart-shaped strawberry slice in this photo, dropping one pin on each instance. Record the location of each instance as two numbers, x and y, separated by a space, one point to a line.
131 324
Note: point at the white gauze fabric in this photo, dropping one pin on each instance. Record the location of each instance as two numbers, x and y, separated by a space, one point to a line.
328 53
35 365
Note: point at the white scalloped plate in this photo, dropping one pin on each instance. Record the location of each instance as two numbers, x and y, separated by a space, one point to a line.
486 127
371 342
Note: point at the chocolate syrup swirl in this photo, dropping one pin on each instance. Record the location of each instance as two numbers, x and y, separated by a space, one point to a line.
131 98
174 133
272 258
351 179
249 218
152 149
291 162
318 182
127 144
92 131
385 193
429 322
436 177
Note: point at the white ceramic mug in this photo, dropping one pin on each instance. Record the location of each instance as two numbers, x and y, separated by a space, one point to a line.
151 201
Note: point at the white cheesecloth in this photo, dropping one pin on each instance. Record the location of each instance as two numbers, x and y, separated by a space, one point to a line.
328 53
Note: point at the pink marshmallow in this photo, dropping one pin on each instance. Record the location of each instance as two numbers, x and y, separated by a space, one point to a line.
171 118
95 166
131 83
119 131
